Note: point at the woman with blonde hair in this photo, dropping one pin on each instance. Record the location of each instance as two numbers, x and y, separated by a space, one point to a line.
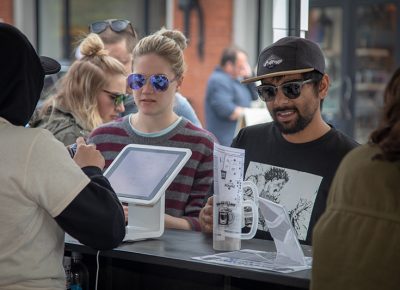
158 71
90 94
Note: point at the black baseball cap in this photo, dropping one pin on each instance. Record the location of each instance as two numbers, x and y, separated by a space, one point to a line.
289 55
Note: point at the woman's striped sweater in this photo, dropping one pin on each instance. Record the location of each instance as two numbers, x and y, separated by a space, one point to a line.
186 194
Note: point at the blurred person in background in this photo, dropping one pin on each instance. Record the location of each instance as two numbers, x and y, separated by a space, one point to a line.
226 97
158 72
120 38
44 193
91 93
356 242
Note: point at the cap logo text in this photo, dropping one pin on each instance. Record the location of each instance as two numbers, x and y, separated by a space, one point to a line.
272 61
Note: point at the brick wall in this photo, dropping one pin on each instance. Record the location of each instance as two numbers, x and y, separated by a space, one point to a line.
6 11
218 35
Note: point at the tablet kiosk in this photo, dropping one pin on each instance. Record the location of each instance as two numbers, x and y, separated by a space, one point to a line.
140 174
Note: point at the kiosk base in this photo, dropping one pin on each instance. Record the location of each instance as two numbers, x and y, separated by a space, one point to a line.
145 221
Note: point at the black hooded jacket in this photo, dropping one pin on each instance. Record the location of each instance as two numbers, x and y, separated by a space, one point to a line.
21 76
95 217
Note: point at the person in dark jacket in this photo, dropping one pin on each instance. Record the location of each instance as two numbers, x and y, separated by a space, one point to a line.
44 192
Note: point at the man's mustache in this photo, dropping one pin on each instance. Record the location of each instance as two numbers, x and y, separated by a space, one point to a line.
276 110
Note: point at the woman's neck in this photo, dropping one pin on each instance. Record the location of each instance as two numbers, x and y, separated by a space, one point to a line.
151 124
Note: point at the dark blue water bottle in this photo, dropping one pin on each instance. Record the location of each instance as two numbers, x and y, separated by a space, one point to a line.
79 273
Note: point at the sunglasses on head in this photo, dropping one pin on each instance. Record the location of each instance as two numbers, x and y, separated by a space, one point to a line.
159 82
118 98
292 90
116 25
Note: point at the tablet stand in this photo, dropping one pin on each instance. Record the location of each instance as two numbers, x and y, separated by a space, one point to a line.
145 220
144 189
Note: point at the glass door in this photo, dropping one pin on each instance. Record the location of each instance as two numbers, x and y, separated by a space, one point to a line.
375 60
360 40
325 28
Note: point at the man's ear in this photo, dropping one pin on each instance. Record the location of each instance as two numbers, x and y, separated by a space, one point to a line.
323 87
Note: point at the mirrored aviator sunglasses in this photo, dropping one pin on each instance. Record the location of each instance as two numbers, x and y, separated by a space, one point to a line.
159 82
291 90
117 25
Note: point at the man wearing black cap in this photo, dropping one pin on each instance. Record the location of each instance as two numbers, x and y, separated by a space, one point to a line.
43 191
293 85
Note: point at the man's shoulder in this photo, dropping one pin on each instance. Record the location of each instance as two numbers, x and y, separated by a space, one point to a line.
254 135
343 141
257 129
219 75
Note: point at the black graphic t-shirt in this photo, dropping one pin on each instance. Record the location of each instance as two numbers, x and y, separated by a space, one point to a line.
296 175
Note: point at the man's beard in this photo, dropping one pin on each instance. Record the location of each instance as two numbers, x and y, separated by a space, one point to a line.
300 123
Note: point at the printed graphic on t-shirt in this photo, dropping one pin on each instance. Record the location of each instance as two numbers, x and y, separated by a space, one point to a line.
294 189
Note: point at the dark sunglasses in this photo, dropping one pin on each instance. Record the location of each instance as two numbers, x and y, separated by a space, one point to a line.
292 90
116 25
118 98
159 82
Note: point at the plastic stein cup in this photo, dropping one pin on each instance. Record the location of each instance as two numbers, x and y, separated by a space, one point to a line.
228 216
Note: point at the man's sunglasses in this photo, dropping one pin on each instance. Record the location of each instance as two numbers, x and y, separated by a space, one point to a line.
159 82
292 90
118 98
116 25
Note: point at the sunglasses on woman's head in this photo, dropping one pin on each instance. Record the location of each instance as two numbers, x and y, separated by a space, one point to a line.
159 82
118 98
116 25
292 90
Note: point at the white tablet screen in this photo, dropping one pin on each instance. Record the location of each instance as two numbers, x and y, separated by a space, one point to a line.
140 172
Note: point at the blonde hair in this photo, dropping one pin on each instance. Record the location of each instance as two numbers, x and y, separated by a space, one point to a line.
168 44
78 90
